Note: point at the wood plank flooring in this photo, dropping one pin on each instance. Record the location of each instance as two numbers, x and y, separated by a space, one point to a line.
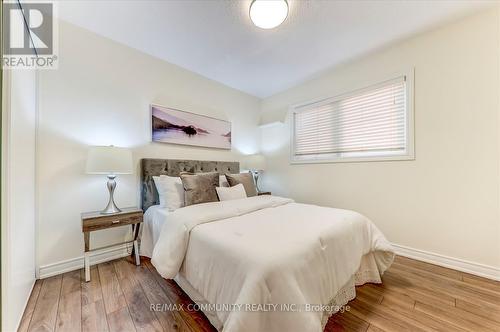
415 296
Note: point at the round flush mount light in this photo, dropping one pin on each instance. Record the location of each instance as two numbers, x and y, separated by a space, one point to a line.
268 14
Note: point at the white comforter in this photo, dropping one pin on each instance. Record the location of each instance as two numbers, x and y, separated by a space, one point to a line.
268 250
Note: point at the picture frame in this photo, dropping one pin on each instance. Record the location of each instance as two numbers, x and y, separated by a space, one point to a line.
173 126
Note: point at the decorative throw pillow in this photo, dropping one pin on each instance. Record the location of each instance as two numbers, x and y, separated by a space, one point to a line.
170 191
222 178
200 188
246 179
229 193
223 181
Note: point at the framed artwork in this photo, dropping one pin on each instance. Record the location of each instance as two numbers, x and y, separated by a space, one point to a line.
178 127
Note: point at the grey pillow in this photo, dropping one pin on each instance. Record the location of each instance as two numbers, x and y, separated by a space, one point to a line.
246 179
200 188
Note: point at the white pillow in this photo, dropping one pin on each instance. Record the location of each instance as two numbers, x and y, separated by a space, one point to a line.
229 193
223 181
170 191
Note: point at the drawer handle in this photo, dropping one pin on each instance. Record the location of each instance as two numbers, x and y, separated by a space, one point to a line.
115 221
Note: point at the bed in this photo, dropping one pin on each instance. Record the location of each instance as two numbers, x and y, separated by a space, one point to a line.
263 263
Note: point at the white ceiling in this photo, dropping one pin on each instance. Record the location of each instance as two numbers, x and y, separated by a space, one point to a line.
216 39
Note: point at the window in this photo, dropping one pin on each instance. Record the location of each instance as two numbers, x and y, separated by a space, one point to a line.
367 125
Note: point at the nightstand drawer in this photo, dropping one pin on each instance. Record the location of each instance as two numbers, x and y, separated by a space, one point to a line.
104 222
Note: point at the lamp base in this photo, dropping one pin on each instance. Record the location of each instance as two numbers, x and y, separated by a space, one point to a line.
256 179
111 207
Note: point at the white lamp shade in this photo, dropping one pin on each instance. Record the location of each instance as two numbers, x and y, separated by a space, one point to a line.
109 160
255 162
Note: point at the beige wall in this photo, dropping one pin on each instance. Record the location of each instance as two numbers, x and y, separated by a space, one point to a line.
100 95
447 200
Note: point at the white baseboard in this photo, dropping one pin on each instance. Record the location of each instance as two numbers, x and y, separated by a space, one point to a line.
481 270
105 255
96 257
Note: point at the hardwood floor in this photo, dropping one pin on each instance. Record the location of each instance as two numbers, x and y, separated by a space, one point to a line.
415 296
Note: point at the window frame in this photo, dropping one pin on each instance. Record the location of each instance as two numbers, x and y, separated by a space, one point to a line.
409 152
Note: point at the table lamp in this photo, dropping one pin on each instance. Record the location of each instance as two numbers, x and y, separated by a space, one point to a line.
256 164
109 160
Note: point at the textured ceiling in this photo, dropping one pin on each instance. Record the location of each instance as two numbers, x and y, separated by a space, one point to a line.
215 38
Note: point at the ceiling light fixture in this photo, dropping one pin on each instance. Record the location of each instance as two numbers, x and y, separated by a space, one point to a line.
268 14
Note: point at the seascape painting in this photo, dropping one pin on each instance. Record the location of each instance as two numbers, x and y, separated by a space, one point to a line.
178 127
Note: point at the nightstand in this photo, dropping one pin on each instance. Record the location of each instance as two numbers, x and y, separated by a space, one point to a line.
264 193
95 221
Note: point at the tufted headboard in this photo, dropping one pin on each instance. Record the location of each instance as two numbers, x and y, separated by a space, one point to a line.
172 167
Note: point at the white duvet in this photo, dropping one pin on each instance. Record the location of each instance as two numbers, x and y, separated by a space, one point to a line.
269 254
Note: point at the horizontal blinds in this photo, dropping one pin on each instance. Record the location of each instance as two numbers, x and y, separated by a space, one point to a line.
370 121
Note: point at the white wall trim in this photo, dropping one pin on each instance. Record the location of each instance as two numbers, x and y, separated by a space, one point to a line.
37 172
5 190
109 254
481 270
99 256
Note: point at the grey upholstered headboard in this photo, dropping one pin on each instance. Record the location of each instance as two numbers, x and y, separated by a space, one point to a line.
172 167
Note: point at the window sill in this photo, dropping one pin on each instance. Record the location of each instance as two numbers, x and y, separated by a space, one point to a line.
351 159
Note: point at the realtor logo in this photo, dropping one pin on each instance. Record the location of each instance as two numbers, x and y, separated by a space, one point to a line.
28 35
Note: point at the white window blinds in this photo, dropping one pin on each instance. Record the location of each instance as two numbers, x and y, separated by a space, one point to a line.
367 123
